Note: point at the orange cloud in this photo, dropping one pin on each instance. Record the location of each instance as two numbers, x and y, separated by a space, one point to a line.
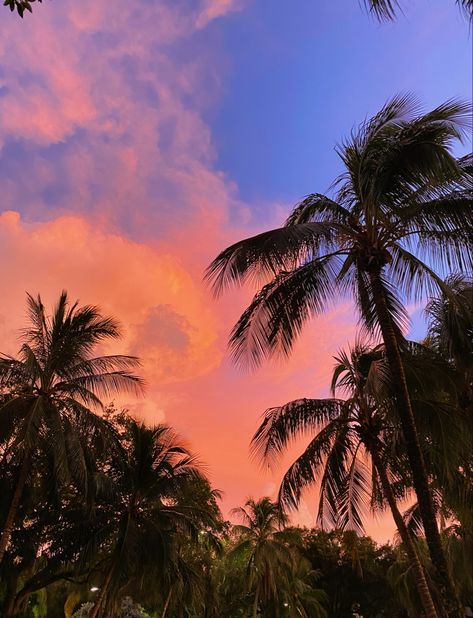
166 314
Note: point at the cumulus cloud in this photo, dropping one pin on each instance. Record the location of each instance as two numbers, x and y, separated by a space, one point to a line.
103 116
165 312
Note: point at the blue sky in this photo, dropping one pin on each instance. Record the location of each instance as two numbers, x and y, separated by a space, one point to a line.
301 74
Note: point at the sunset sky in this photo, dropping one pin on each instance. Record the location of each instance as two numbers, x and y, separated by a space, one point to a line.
138 138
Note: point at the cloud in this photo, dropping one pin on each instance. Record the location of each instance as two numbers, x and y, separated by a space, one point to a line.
165 312
102 111
213 9
172 323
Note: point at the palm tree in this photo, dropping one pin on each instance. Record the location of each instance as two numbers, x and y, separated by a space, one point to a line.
387 9
301 597
136 529
264 541
450 320
54 382
402 209
349 432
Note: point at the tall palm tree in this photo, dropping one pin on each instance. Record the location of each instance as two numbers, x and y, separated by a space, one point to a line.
388 9
401 211
135 531
264 541
54 383
350 431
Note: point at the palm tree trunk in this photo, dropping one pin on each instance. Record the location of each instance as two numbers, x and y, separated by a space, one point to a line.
14 504
166 605
255 604
414 452
94 612
419 574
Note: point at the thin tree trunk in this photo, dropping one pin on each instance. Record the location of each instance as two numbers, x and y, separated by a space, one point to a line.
414 452
419 574
14 504
255 604
166 605
94 612
9 603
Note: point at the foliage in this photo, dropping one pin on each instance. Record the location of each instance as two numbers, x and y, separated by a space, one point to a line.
128 609
388 9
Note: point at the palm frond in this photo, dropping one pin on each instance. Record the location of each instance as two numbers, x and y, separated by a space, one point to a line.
332 482
318 207
413 277
384 10
268 253
355 497
103 384
275 318
294 419
450 317
305 470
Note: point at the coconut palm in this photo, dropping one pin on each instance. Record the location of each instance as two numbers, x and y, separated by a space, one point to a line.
353 452
388 9
400 216
264 542
300 595
54 385
60 520
135 530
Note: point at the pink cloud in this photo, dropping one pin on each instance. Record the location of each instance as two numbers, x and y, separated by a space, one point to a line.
128 279
216 8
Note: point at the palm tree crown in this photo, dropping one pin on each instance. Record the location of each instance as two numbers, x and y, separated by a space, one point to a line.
54 387
402 207
136 529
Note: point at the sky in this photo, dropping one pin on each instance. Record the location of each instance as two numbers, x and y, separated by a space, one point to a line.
138 139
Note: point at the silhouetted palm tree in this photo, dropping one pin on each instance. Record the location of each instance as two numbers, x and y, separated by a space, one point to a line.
402 209
136 528
450 319
54 385
265 543
301 598
351 432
